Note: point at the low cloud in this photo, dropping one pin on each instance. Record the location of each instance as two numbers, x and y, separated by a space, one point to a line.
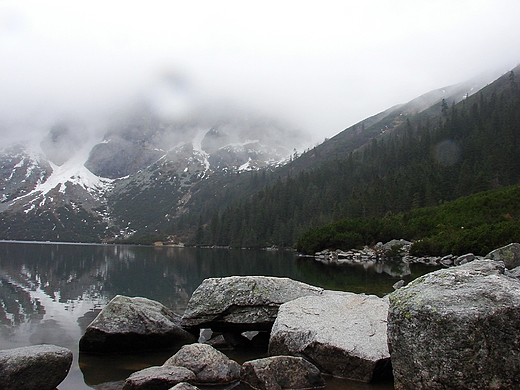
320 67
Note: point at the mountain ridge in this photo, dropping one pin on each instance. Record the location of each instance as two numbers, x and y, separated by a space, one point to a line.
149 179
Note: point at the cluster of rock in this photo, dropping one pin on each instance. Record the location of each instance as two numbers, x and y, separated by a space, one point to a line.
452 328
202 365
394 249
455 328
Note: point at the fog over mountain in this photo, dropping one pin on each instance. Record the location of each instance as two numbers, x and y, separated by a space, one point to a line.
319 68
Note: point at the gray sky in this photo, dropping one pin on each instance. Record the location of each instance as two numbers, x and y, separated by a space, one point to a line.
322 66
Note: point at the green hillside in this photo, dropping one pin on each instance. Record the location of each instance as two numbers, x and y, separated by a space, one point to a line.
436 156
478 223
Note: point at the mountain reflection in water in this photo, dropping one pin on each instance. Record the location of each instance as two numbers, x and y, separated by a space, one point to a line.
50 292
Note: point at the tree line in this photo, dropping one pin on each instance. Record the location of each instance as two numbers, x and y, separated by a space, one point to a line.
427 161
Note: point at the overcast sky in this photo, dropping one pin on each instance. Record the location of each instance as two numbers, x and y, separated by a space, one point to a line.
322 65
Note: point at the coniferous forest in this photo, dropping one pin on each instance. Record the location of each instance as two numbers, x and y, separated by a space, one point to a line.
459 150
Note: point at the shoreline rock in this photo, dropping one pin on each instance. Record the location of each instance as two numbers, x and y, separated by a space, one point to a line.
132 324
398 250
209 365
39 367
456 328
241 303
343 334
156 377
281 372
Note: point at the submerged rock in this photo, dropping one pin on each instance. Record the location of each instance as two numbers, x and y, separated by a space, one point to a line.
129 324
241 303
39 367
208 364
281 372
158 377
457 328
344 334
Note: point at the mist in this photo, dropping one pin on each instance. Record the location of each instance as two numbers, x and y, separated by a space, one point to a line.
319 67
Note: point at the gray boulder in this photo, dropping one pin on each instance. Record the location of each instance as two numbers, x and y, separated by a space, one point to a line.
184 386
514 273
509 254
281 372
241 303
40 367
461 260
158 378
208 364
457 328
344 334
128 324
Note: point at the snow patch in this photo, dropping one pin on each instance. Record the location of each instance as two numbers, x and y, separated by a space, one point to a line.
197 147
245 166
73 171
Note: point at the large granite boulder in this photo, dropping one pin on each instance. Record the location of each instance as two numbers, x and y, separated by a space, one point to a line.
509 254
281 372
209 365
241 303
344 334
129 324
158 378
457 328
40 367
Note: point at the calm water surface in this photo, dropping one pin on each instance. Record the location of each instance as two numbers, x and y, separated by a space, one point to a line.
49 293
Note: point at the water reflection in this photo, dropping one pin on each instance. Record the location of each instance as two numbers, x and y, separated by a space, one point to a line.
49 293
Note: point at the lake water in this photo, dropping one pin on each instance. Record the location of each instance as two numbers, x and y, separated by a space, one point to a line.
50 292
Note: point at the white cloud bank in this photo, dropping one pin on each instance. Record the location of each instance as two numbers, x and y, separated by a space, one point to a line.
320 65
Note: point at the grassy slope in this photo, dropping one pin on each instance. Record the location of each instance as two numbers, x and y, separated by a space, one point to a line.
476 223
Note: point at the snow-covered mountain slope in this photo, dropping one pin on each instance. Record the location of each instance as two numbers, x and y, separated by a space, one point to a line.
136 179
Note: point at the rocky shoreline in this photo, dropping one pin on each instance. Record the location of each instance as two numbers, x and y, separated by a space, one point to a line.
398 250
452 328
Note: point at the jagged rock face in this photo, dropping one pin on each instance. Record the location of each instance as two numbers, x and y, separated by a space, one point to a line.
119 157
20 172
457 328
214 140
344 334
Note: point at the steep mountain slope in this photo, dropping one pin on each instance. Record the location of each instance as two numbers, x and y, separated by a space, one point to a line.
386 122
73 187
423 161
150 178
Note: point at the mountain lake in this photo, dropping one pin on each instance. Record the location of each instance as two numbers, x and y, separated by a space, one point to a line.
50 292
